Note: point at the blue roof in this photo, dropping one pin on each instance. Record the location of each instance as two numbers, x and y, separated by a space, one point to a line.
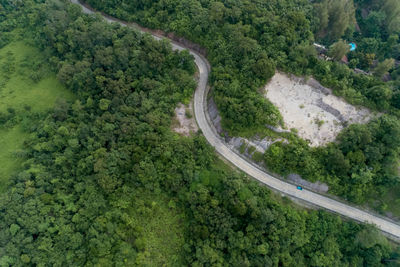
353 46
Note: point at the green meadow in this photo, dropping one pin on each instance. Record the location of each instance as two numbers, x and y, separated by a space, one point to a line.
28 87
161 226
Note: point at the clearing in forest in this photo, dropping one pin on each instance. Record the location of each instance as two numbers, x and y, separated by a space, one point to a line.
184 122
161 226
316 114
27 87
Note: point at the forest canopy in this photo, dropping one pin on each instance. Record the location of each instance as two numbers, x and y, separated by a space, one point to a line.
247 40
87 163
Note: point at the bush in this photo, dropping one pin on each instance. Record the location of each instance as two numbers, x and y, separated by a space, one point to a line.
258 156
251 149
243 147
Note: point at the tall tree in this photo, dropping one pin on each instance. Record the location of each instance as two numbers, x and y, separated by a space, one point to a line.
334 17
392 10
383 67
338 50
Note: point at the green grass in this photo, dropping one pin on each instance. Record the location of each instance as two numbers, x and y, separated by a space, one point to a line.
20 90
161 225
10 141
27 85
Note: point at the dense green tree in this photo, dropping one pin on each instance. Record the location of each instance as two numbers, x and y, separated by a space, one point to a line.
378 33
334 17
383 67
392 11
338 50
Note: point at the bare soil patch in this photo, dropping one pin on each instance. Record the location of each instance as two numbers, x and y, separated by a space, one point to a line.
312 109
185 123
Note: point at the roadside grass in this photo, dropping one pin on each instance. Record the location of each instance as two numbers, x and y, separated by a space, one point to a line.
161 226
27 86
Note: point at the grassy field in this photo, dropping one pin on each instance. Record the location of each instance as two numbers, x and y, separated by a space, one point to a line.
10 141
27 86
162 231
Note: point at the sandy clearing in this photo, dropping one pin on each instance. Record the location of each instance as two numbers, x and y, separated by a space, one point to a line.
317 115
186 125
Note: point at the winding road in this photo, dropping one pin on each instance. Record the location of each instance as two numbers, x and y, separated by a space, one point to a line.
209 132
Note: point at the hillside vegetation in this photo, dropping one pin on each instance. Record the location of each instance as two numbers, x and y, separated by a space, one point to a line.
93 169
373 25
245 41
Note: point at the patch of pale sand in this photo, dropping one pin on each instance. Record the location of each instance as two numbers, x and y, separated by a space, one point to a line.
300 104
186 125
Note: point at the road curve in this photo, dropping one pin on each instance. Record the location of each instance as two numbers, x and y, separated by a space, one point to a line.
209 132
